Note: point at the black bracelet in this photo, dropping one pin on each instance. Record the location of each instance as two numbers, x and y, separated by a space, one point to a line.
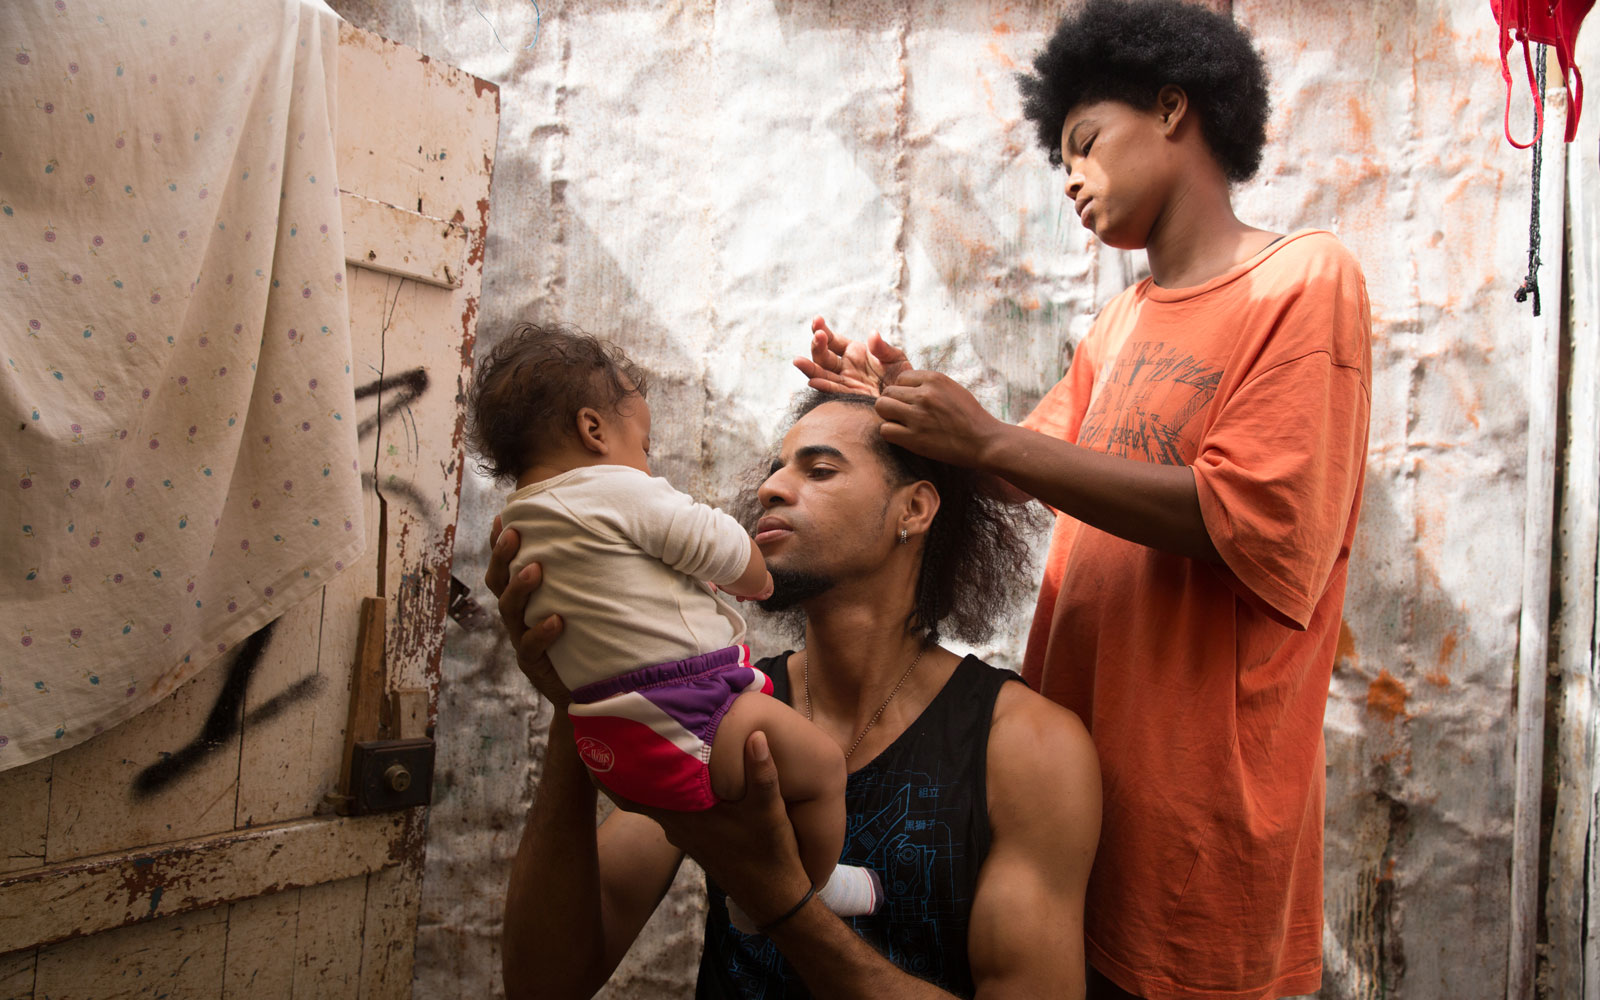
767 927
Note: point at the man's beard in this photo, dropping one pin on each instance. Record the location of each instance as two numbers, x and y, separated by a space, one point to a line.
791 587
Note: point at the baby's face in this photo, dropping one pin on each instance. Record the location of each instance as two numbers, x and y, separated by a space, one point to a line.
631 446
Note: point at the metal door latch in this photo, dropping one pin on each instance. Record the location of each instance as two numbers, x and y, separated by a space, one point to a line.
390 774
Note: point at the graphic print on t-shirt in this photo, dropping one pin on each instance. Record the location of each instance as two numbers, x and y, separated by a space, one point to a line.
1146 402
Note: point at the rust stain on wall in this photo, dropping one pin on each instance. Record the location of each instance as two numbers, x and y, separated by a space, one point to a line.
1447 652
1360 125
1001 56
1386 696
1344 654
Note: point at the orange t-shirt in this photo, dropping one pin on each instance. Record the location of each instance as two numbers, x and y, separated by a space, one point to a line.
1204 685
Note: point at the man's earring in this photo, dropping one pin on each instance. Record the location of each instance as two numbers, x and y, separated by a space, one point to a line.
902 536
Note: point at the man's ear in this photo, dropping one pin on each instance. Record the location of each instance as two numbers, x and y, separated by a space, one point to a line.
592 430
922 503
1172 102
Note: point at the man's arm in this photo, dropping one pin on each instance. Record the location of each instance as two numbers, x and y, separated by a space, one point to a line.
1026 933
1144 502
1025 937
748 848
928 413
577 896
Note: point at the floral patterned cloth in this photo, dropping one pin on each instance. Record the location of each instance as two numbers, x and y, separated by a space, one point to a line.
178 458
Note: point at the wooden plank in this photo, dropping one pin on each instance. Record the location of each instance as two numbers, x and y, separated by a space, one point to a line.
1573 888
367 694
26 792
341 623
431 149
388 954
1544 336
381 237
16 974
153 780
327 949
419 462
390 919
260 955
418 392
409 717
180 957
56 903
289 698
1569 926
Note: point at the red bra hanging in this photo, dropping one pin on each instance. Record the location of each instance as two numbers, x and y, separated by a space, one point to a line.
1548 22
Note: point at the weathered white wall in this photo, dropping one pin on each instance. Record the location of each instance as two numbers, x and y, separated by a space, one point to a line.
697 180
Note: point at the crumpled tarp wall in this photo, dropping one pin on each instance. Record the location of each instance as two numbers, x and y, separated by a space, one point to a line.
697 180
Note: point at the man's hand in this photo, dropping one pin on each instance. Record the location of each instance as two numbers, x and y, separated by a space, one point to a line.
930 414
532 644
838 364
747 847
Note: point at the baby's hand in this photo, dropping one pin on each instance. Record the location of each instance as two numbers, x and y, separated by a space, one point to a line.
766 592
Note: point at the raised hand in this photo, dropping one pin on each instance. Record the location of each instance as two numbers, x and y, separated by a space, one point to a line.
838 364
930 414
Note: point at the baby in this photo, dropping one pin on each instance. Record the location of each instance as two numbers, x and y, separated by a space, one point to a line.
664 695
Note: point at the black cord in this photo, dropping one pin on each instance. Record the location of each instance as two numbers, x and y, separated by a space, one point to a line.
767 927
1530 284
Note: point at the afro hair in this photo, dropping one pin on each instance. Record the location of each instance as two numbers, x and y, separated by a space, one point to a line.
1127 50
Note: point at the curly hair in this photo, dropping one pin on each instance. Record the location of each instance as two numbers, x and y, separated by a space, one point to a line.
975 560
1127 50
531 387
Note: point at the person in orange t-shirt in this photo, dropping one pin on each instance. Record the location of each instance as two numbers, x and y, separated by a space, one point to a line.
1205 456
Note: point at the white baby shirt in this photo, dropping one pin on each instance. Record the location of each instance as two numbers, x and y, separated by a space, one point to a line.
623 556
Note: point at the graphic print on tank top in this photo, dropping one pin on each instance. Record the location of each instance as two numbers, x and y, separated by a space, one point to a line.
918 816
910 844
1145 405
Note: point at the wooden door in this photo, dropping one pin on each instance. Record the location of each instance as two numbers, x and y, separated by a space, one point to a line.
195 851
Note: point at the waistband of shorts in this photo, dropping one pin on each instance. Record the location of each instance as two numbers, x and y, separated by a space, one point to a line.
663 673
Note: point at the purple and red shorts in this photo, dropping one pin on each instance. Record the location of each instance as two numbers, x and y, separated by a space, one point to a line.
646 735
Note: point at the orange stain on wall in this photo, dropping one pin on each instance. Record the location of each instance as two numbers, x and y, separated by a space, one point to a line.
1346 649
1447 648
1386 696
1360 124
1001 57
1447 652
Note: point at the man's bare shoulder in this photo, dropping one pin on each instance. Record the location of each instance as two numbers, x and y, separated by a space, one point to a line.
1040 754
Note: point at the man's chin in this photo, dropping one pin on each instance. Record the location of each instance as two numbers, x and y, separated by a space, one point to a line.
791 588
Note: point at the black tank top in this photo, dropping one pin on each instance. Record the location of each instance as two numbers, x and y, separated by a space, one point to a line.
918 814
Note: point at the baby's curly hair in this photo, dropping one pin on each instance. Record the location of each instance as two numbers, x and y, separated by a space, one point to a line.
1127 50
531 387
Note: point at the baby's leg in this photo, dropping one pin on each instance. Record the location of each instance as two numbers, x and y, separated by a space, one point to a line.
811 774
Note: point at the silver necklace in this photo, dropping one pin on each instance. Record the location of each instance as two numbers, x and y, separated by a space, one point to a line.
805 676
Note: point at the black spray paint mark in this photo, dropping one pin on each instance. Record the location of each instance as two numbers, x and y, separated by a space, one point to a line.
407 386
227 717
